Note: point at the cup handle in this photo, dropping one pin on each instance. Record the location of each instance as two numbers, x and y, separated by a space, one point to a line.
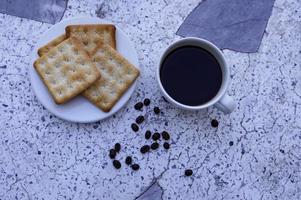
226 104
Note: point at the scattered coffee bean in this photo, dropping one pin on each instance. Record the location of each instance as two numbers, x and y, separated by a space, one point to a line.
214 123
135 167
144 149
146 102
112 153
138 106
155 146
128 160
165 135
117 147
188 172
135 127
156 110
156 136
231 143
116 164
166 145
139 119
148 135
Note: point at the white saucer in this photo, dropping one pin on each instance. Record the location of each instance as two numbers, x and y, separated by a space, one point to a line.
80 109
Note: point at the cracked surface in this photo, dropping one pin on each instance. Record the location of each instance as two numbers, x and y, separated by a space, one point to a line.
43 157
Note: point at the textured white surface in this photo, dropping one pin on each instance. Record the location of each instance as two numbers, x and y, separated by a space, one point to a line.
43 157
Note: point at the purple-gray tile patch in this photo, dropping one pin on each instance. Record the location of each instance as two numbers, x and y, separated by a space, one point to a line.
49 11
230 24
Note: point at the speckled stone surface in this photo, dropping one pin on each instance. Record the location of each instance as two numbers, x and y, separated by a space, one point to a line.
43 157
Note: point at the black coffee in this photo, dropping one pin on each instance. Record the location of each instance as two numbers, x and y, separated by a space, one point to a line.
191 75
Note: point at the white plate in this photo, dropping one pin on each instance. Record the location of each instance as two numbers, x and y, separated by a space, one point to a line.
80 109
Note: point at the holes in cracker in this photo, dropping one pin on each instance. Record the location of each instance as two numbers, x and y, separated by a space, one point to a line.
82 62
112 93
66 58
85 42
100 53
61 49
98 31
129 72
42 62
57 65
85 30
95 93
103 86
75 50
94 60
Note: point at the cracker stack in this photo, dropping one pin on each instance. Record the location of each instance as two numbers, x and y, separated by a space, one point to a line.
84 60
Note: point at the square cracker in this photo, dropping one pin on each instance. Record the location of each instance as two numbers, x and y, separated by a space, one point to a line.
91 35
66 70
46 48
117 75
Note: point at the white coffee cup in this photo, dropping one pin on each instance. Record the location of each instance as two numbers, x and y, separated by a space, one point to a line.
221 100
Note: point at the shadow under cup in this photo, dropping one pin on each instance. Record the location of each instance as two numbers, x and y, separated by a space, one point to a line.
193 74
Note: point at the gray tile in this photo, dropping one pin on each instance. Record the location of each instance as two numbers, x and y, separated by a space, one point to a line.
233 24
49 11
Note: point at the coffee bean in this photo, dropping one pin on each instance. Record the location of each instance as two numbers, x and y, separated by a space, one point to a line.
138 106
112 153
117 147
144 149
155 146
135 127
116 164
139 119
156 136
214 123
128 160
188 172
146 102
165 135
166 145
231 143
135 167
148 135
156 110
